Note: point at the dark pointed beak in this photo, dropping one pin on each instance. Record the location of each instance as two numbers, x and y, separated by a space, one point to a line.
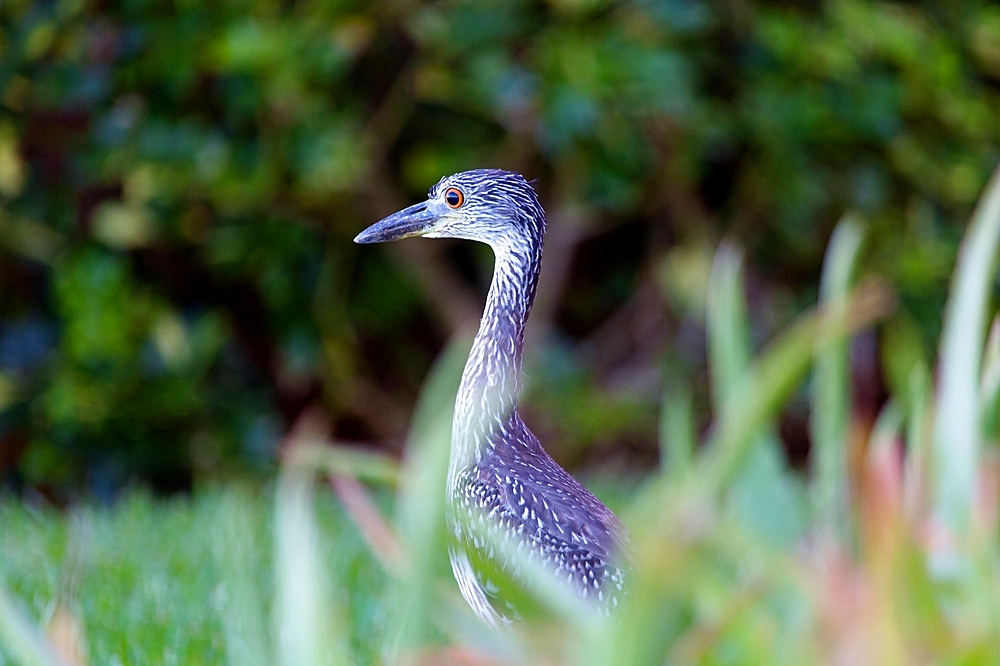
412 221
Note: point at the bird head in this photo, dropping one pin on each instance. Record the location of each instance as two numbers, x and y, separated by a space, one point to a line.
487 205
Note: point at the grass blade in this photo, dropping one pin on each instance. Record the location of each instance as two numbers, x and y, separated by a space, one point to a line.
831 387
26 643
726 324
957 433
340 460
762 495
421 510
766 385
308 631
918 443
990 384
244 619
677 436
378 535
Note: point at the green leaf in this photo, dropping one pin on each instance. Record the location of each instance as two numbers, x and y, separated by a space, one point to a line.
768 383
310 630
243 617
990 384
762 495
919 440
20 635
726 323
421 512
677 436
957 428
831 391
767 498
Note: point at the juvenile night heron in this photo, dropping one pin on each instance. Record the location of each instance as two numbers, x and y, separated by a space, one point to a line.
507 498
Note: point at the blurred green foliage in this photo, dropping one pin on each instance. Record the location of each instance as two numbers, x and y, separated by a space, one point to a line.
180 181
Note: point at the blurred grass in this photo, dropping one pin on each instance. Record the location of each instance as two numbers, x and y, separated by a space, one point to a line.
180 183
179 581
187 581
21 637
831 390
958 432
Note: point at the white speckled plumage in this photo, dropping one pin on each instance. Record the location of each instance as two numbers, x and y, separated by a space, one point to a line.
507 497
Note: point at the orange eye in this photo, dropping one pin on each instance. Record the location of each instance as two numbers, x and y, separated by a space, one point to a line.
454 197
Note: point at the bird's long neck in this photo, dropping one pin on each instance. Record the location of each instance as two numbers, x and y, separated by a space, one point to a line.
487 396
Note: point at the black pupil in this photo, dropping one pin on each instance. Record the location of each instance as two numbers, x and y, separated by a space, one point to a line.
452 197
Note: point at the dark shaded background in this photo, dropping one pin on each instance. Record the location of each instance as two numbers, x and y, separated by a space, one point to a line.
180 183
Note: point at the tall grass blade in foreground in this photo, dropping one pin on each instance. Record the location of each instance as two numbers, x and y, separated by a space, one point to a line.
762 494
243 616
831 387
421 507
989 385
310 627
768 382
957 430
683 543
918 442
22 638
677 432
726 323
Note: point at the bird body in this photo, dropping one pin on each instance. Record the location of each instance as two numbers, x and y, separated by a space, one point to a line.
507 498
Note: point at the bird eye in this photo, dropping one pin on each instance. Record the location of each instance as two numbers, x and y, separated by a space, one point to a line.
454 197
